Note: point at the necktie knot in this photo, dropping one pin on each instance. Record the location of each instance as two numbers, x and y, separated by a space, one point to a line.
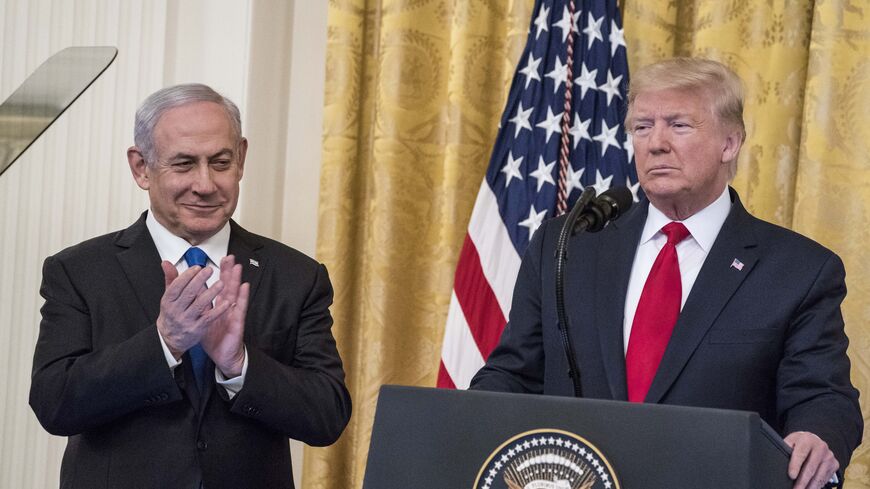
195 257
676 232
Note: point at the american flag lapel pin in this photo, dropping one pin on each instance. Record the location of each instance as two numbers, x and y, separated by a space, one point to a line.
257 264
737 264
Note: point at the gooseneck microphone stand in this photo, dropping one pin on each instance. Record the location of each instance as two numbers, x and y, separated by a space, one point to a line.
561 262
591 215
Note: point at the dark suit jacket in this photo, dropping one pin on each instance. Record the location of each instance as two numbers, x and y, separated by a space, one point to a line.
768 338
101 378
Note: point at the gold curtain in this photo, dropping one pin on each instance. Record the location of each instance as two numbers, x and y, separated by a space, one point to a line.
414 92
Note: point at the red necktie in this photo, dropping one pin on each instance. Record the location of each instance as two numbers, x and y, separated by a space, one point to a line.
657 312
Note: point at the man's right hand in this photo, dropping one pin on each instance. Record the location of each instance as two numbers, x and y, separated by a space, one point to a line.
186 307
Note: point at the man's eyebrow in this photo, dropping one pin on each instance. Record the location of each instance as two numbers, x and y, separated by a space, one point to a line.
676 115
181 156
186 156
223 152
670 116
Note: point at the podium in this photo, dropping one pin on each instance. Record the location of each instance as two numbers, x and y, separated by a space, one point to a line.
434 438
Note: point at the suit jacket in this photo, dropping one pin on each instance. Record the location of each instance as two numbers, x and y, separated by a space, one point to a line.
765 337
101 378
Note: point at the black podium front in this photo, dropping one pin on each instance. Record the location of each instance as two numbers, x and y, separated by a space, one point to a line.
446 439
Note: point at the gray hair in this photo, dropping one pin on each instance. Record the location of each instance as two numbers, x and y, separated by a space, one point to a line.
159 102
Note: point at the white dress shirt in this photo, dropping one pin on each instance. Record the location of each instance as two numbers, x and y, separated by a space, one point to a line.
703 227
172 249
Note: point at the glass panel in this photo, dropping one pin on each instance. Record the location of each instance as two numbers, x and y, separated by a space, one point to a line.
45 94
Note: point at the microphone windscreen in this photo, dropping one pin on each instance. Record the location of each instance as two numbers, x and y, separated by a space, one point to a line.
620 198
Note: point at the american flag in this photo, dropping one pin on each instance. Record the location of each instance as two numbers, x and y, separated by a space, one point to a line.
521 185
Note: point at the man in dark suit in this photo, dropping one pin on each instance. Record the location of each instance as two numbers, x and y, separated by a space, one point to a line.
183 351
688 299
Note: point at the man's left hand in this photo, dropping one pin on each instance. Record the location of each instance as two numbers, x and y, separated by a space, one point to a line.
812 463
224 340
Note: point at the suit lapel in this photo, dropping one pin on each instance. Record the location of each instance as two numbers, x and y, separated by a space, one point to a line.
245 247
141 264
613 261
717 281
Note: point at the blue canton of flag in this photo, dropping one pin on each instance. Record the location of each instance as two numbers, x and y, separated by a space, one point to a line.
524 167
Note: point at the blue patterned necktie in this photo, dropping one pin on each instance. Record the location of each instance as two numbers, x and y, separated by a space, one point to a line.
196 257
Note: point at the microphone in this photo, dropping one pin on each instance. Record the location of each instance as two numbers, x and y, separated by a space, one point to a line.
603 209
589 214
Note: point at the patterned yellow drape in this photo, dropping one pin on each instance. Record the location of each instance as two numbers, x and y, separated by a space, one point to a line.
414 91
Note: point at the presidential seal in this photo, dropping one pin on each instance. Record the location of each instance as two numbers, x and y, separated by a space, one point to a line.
546 459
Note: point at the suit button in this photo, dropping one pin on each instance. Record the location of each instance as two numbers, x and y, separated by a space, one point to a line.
201 445
164 396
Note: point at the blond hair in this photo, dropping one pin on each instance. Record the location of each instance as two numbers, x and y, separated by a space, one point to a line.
723 87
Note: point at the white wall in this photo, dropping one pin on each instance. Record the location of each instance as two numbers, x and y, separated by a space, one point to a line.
267 55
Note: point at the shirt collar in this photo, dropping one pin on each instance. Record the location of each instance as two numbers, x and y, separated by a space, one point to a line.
172 248
704 226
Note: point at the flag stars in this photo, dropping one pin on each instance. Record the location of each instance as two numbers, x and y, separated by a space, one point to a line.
521 119
601 183
607 137
566 23
544 173
586 80
533 222
552 124
512 168
573 180
531 70
616 37
611 87
593 30
633 189
580 130
558 74
541 21
628 146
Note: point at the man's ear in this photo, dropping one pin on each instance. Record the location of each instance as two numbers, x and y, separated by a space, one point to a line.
243 152
733 142
138 167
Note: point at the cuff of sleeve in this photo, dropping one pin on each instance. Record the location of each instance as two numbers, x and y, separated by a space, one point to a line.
235 384
170 360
